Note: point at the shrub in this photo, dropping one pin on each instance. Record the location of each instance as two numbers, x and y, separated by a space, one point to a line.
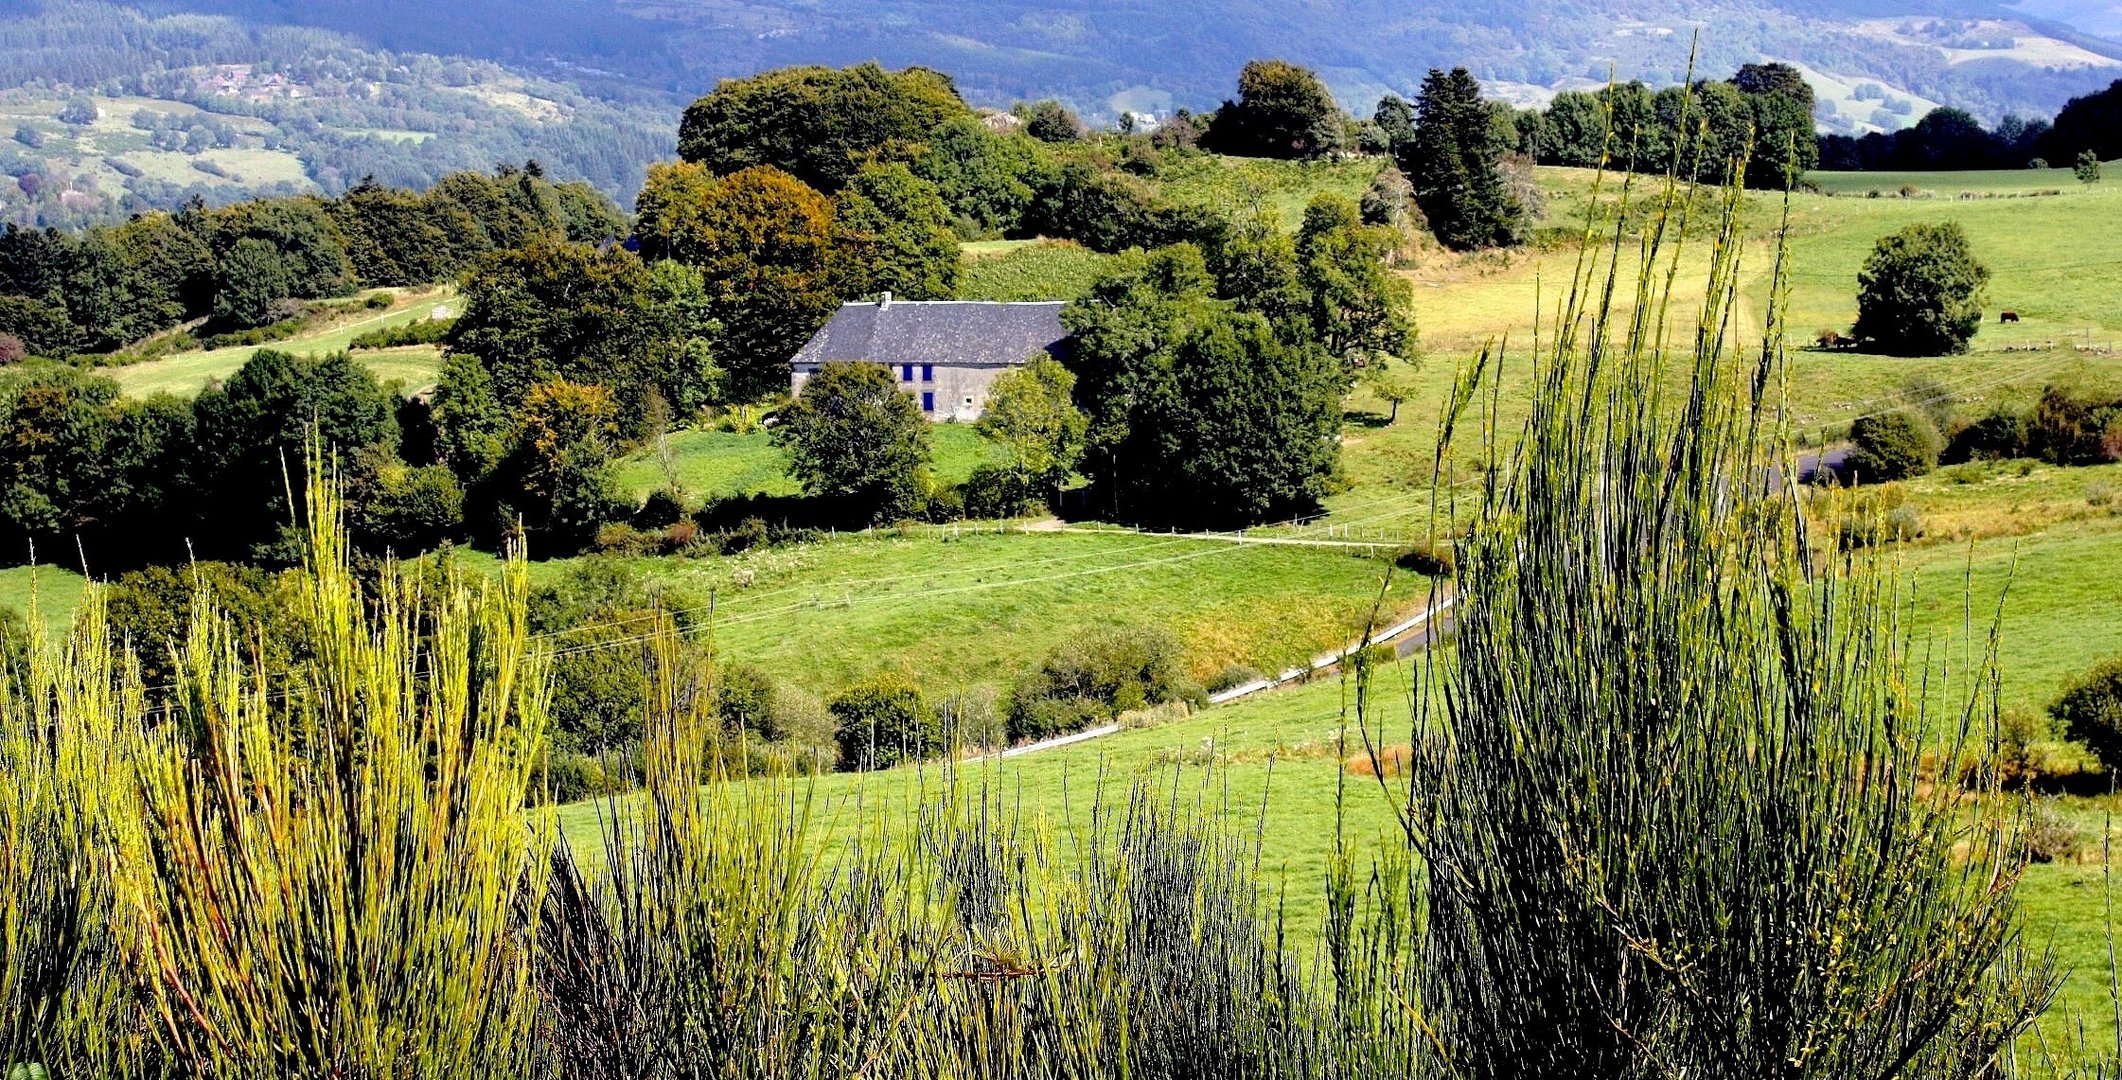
2050 836
1878 516
572 776
995 491
257 335
943 505
883 721
2019 734
375 301
746 535
1998 436
1098 676
417 332
973 717
1893 446
744 701
2070 428
2090 711
1232 677
1428 560
662 509
12 351
409 510
1031 720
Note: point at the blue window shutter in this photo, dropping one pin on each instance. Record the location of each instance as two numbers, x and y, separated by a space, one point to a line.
906 373
928 373
928 401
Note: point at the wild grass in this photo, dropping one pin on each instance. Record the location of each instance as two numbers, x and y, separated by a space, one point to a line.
1666 801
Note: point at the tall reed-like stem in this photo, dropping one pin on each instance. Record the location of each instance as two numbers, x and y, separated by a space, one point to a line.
333 872
1667 802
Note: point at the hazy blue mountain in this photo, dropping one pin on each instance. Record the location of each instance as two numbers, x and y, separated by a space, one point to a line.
1105 55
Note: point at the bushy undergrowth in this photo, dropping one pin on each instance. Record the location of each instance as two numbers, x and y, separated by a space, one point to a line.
1095 678
417 332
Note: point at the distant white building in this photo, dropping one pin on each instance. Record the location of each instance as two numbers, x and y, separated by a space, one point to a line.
945 353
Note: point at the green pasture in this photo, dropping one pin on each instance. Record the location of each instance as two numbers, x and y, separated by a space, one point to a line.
1281 188
960 606
1889 184
186 373
714 465
52 592
1020 270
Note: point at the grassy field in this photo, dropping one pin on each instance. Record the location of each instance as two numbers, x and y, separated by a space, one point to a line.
1888 184
958 607
2028 545
186 373
721 464
1280 188
1019 270
53 592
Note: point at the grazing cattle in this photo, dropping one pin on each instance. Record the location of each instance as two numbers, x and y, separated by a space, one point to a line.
1829 339
2007 316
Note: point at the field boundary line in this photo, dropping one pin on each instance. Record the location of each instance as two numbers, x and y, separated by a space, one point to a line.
1322 662
1327 660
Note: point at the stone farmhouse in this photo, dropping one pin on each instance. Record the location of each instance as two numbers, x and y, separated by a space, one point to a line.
946 353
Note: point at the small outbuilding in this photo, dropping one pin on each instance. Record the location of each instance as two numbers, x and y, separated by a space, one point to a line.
945 353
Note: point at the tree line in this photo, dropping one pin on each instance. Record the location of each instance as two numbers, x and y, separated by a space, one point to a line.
109 288
1951 139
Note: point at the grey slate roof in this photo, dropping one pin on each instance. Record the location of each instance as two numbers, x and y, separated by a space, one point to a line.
961 333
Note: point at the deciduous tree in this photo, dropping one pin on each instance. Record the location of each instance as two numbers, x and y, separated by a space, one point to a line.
894 235
1920 292
820 124
852 436
1031 412
1282 111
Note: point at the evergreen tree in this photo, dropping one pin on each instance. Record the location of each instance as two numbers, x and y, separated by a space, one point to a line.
1455 163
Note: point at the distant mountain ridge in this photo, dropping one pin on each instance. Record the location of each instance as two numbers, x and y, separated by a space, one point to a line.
1107 56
